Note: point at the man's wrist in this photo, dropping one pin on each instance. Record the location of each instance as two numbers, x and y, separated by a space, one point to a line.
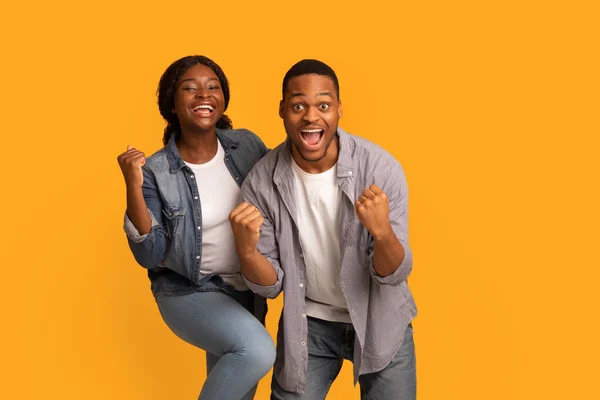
249 255
384 235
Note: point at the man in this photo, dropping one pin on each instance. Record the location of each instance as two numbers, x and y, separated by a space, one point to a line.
325 220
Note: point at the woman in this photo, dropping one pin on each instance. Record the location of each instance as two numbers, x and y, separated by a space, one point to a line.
178 203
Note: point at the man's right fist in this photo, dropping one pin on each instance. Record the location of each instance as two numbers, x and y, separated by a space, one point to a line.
245 222
131 163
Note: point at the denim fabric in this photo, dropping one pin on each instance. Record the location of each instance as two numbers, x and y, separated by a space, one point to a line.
329 344
172 250
239 350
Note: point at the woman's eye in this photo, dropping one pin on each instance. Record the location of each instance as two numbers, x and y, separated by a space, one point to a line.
213 87
189 88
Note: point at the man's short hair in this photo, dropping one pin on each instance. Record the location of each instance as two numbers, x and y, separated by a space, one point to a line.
307 67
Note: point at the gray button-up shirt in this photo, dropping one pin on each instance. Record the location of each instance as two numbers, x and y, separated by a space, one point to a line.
380 307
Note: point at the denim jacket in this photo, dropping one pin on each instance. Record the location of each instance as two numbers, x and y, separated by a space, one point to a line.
172 250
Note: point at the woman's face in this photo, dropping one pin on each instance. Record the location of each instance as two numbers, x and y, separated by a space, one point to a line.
199 99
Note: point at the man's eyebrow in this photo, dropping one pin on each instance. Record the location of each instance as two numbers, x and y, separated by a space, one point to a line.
300 94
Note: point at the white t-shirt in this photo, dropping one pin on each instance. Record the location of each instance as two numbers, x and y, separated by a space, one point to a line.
219 194
318 199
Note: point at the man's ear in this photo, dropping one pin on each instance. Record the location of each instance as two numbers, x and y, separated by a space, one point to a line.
340 109
281 109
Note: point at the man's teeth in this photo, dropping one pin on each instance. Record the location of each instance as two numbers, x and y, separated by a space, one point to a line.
206 106
310 130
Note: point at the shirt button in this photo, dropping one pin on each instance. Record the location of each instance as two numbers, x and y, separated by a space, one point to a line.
349 172
197 257
196 197
302 285
237 178
303 315
303 343
199 227
301 255
191 176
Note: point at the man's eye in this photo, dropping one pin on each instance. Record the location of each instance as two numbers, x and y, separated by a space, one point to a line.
297 107
324 106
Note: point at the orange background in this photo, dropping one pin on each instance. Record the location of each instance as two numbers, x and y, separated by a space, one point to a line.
491 107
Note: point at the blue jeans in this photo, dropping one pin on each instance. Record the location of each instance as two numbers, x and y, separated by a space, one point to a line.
239 350
329 343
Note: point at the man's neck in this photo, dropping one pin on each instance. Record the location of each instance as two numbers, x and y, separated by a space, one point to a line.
321 165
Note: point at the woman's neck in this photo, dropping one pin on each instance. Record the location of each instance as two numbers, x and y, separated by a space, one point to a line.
197 148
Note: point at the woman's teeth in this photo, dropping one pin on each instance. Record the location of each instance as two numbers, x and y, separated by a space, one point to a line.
203 106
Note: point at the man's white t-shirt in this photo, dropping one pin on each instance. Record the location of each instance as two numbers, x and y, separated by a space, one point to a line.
318 200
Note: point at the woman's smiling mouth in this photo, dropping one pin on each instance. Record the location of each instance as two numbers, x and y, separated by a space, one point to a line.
203 109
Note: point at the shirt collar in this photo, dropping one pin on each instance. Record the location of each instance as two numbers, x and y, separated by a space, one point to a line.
176 163
344 161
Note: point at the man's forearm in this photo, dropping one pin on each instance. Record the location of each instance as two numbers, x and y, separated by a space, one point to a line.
388 254
257 269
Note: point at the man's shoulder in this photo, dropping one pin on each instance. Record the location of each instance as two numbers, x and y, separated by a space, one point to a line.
266 165
364 149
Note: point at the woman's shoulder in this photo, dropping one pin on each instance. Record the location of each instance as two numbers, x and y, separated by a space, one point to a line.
158 161
242 138
239 134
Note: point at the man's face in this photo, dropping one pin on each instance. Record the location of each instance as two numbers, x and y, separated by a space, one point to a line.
311 110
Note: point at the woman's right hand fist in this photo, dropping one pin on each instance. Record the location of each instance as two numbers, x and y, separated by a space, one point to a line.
131 163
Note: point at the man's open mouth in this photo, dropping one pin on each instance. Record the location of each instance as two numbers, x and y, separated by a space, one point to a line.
311 137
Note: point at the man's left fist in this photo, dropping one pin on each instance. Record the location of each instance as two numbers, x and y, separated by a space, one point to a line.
372 210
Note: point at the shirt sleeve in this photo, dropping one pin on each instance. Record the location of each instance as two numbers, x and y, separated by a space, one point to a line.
148 249
267 244
395 188
132 233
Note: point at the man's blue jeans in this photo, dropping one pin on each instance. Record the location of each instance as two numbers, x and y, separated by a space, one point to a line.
329 343
239 350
